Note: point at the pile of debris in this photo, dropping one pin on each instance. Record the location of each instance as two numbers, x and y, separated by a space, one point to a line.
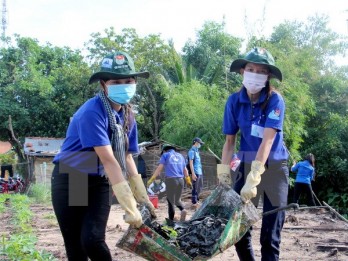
196 237
218 224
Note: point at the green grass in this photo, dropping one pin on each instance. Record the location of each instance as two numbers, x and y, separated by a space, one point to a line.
40 193
20 244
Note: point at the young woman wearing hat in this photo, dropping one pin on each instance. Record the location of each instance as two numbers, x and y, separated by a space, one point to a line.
97 152
257 112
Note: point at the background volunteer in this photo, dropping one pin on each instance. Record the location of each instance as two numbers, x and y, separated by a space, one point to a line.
196 170
175 172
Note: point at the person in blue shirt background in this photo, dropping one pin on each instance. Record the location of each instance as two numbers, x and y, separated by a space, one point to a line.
96 153
256 111
196 170
175 173
305 174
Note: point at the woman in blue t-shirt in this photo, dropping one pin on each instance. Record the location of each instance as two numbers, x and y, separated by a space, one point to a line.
305 174
97 152
256 112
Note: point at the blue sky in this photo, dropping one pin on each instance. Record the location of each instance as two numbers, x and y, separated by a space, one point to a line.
70 22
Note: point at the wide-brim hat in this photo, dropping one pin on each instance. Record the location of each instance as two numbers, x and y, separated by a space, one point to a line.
259 56
118 65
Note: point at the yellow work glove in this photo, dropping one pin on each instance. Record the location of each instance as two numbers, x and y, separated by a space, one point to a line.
224 174
126 199
138 188
253 179
151 180
188 182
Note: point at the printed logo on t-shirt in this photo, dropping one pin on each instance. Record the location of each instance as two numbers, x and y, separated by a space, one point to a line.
174 158
274 115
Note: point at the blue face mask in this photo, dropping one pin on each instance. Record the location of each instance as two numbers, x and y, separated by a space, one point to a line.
199 145
121 93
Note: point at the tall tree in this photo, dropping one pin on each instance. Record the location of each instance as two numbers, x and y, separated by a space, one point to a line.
194 109
211 54
40 87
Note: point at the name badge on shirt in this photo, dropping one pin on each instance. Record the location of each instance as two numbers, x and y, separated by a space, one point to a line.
257 131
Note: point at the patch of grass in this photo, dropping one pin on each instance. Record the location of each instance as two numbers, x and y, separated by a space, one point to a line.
52 219
21 242
3 198
22 247
40 193
49 216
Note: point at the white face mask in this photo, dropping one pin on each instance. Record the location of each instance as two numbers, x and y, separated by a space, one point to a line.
254 82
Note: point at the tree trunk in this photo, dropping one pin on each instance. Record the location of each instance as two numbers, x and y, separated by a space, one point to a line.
24 169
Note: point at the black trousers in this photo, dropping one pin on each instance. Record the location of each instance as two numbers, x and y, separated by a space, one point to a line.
174 187
303 188
274 190
9 168
82 206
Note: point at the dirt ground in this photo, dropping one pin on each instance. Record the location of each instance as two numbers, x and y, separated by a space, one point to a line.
310 234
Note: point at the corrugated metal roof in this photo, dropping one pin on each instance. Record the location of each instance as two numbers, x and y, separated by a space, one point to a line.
41 146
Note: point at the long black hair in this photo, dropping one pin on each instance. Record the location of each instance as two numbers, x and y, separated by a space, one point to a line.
310 158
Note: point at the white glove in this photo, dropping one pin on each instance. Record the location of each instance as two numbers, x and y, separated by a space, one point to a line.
126 199
224 174
138 188
253 179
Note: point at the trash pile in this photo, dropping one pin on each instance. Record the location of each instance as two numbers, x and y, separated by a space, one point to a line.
195 237
218 224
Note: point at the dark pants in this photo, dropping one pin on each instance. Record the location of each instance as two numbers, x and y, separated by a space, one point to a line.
197 186
305 189
82 206
174 187
275 177
9 168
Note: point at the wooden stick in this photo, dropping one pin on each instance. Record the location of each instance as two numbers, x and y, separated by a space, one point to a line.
326 228
316 197
214 154
328 247
336 213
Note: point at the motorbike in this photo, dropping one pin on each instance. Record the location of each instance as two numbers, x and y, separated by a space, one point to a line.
13 184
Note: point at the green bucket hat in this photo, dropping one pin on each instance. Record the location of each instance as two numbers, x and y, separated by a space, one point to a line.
257 55
118 65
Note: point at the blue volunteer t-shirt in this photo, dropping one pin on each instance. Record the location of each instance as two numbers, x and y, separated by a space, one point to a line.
89 128
251 120
305 172
174 164
193 154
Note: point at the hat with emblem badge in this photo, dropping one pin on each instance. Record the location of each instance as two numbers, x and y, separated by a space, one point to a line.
258 55
118 65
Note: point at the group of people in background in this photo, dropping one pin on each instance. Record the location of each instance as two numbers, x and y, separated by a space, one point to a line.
176 174
103 135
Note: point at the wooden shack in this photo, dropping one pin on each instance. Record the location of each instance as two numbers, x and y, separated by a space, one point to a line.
40 152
